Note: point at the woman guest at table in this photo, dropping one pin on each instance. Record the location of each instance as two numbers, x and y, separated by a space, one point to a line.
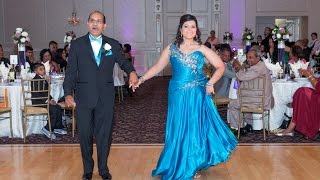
306 114
296 55
60 58
212 39
49 64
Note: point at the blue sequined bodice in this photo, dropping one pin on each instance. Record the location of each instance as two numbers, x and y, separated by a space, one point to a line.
186 68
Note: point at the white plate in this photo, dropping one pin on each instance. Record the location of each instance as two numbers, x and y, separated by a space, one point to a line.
301 79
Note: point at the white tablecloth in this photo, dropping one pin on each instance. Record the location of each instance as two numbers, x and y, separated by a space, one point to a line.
16 101
283 92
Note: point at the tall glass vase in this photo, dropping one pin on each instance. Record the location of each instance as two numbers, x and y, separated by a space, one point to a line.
248 45
21 55
281 52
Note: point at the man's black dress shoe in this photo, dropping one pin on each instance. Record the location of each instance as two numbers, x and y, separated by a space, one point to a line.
106 176
243 132
87 176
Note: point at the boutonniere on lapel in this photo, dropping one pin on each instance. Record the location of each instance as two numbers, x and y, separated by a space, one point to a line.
107 49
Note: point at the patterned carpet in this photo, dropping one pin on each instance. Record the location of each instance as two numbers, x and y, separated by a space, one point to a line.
141 120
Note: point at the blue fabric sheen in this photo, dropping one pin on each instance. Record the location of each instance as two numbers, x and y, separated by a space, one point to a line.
196 136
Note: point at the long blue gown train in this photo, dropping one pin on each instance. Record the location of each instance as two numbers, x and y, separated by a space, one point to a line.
196 136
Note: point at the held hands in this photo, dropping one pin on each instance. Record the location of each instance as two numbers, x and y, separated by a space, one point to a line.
133 81
69 101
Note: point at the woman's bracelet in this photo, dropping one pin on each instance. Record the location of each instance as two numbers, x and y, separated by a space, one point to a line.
209 84
141 79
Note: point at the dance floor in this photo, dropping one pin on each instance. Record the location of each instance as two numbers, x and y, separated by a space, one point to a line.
132 162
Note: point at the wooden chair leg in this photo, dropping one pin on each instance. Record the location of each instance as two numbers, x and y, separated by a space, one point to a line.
49 122
263 126
121 89
239 124
11 130
24 126
119 94
268 121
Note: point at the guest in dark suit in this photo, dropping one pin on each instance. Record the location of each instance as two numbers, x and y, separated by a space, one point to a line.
90 72
268 35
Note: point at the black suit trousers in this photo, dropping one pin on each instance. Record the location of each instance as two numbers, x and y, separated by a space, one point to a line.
97 122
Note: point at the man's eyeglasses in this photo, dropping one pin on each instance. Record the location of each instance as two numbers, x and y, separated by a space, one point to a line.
92 21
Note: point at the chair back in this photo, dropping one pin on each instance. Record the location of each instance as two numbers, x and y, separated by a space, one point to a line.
36 93
252 94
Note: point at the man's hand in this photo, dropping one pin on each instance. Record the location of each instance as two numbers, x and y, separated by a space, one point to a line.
69 101
133 81
52 102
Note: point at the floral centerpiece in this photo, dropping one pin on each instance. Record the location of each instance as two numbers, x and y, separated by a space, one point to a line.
247 34
20 36
280 33
70 36
228 36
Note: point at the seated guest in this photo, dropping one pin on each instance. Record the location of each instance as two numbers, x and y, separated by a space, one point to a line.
296 55
54 110
257 68
61 58
273 51
29 56
66 50
223 85
212 39
6 61
53 46
305 104
127 52
46 60
258 41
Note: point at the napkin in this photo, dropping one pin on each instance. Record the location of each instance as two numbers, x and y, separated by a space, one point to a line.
298 65
274 68
4 71
241 58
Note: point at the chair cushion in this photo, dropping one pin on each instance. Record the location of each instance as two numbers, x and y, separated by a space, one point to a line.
4 110
35 110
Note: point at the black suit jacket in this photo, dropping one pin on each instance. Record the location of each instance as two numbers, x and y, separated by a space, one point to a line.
89 80
39 94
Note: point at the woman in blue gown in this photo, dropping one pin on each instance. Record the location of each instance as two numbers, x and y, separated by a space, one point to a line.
196 137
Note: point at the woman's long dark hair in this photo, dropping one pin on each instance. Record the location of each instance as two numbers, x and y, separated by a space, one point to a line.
183 19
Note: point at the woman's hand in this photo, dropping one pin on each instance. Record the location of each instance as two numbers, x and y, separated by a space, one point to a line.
305 72
209 90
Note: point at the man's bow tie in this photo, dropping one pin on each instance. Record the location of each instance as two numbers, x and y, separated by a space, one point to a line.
92 39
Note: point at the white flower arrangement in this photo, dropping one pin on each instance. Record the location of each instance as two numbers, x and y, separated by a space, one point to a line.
20 36
247 35
280 33
70 36
228 36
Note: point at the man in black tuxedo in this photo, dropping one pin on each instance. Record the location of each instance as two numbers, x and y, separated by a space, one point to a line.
90 73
